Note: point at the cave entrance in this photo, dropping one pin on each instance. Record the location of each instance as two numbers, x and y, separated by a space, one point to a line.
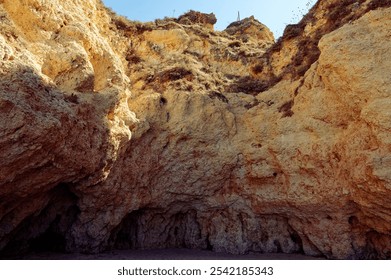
156 229
47 229
52 240
124 236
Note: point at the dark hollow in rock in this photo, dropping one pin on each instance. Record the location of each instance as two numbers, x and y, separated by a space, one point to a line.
218 95
249 85
286 109
46 230
173 74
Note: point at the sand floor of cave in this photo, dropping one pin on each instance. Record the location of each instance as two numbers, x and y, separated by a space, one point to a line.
165 254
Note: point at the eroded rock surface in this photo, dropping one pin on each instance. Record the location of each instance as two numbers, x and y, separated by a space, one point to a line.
116 134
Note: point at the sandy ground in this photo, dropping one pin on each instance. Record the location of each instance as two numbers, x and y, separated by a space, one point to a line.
164 254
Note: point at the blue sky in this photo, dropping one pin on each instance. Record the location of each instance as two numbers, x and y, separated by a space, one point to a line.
273 13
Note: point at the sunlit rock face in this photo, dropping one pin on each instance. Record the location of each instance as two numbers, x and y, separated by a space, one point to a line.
117 134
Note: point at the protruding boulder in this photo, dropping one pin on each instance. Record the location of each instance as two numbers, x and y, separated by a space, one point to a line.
250 28
193 17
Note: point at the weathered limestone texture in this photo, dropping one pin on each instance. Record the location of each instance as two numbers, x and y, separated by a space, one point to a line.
120 134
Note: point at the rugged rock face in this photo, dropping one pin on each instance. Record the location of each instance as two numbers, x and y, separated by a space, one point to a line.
194 17
117 134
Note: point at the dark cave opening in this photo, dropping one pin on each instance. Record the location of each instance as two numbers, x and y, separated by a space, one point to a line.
158 229
49 241
124 236
209 245
46 229
295 237
146 229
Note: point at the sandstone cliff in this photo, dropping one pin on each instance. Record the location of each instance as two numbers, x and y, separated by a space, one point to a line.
119 134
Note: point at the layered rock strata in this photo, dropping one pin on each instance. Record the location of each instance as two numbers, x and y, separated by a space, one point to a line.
118 134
